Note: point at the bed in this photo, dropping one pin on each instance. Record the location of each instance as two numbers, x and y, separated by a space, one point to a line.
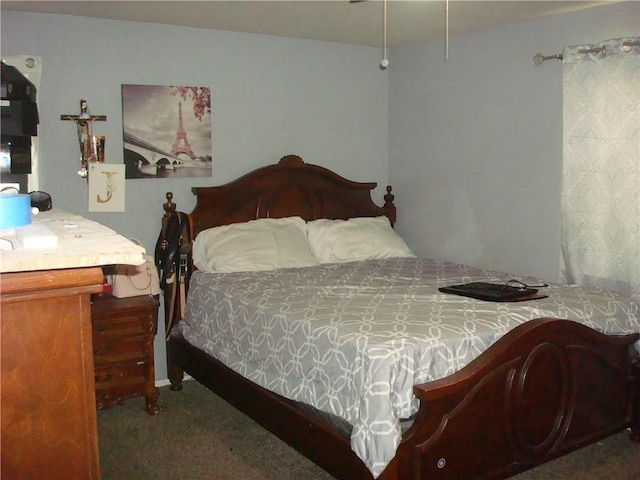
521 383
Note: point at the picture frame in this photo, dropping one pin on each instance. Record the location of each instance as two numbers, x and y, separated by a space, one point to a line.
106 187
166 131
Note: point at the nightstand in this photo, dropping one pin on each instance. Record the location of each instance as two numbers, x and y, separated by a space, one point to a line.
123 333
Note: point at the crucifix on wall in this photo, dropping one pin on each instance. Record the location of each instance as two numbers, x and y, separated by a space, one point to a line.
91 146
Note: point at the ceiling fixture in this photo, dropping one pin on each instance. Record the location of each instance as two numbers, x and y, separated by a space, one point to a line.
446 30
385 61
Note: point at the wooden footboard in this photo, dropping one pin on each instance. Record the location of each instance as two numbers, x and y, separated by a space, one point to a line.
546 388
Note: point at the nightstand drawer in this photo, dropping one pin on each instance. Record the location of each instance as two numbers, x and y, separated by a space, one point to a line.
127 349
121 375
124 326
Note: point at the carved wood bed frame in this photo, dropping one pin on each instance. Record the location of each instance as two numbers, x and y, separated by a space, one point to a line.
546 388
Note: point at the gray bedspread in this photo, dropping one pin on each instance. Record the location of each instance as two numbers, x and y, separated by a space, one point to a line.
352 339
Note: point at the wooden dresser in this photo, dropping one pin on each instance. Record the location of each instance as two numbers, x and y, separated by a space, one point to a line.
123 333
48 424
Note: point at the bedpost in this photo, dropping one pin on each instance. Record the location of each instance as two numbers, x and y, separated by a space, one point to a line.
635 407
161 245
389 208
169 290
169 207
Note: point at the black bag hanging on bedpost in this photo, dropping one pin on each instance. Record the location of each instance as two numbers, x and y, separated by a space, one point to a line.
171 245
173 260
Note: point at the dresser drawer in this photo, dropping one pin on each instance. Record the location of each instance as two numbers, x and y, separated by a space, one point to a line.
106 351
121 375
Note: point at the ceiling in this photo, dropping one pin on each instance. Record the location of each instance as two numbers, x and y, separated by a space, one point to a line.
358 23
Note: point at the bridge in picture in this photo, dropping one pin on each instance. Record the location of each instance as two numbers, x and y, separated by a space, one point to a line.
149 153
143 158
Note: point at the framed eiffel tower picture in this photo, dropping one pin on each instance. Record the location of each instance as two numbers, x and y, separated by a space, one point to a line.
166 131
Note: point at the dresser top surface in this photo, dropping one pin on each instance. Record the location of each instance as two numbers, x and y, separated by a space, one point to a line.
67 241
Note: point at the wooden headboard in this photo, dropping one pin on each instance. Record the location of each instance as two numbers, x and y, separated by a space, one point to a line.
288 188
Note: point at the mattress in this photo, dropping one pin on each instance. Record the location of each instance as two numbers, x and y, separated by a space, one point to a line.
352 339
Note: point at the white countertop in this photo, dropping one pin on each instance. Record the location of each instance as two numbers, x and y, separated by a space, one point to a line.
60 239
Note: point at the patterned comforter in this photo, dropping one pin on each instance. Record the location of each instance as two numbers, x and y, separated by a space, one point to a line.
352 339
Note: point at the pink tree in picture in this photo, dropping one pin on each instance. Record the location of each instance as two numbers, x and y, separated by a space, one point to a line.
167 131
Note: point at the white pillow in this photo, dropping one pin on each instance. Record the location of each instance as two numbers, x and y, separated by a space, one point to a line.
362 238
256 245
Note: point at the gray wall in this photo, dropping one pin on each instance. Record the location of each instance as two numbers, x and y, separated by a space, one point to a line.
475 143
270 97
473 148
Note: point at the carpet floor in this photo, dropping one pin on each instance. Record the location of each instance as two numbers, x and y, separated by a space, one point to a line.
198 436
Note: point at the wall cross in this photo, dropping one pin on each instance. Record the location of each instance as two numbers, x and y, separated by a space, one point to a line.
84 121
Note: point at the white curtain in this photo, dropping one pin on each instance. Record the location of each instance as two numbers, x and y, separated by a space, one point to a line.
601 166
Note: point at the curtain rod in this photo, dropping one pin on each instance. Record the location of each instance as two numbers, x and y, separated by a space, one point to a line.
538 58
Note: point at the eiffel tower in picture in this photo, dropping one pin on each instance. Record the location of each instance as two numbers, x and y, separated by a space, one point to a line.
181 144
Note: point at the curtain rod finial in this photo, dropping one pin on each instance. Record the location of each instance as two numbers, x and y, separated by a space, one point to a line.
538 58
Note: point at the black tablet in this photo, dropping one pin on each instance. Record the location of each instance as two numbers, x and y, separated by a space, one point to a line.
493 292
